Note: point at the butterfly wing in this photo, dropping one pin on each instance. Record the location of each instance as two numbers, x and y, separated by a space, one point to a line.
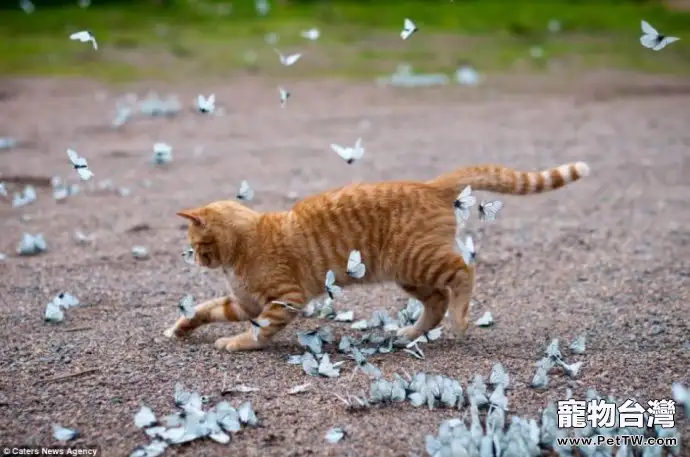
144 417
53 312
80 36
649 41
85 174
344 153
291 59
353 260
489 210
186 306
648 29
665 42
73 156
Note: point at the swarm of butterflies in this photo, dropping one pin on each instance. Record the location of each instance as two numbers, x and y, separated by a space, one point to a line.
191 422
528 438
553 358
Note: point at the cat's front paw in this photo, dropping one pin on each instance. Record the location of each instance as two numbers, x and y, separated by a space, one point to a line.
178 330
241 342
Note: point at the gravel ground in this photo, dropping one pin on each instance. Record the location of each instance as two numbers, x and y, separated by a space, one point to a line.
609 255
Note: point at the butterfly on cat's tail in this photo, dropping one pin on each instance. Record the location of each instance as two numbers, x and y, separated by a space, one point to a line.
497 178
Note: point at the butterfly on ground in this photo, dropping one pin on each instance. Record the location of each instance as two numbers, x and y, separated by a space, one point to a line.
144 418
64 434
206 105
84 36
257 325
355 267
311 34
463 202
162 153
467 249
332 290
488 210
289 59
79 164
245 192
653 40
409 28
54 311
284 95
186 306
349 154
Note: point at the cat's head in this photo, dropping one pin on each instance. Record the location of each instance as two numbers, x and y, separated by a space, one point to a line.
218 231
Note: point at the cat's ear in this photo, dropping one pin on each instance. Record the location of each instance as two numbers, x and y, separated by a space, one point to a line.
193 216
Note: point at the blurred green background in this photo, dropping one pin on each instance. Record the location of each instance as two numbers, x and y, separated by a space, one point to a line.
201 38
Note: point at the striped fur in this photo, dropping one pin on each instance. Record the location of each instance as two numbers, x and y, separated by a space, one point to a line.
404 230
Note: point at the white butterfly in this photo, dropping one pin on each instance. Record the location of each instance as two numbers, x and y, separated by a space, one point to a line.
246 413
311 34
328 369
66 300
284 94
186 306
355 267
349 154
64 434
288 60
578 345
144 418
651 39
84 36
431 335
54 312
245 193
332 290
162 153
27 6
345 316
188 256
489 210
3 190
206 105
257 325
486 320
499 375
79 164
31 244
28 195
463 202
140 252
335 434
467 249
408 29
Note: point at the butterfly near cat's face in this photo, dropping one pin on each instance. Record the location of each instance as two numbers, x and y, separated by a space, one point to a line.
202 240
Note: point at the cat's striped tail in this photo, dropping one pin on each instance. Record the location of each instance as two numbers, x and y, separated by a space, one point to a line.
497 178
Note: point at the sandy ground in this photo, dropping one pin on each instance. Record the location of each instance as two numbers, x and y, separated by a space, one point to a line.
609 255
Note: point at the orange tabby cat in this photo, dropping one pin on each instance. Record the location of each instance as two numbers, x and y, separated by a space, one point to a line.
276 262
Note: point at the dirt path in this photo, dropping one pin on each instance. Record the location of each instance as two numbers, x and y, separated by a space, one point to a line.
608 256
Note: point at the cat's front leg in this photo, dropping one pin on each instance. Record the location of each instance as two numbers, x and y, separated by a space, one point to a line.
221 309
272 319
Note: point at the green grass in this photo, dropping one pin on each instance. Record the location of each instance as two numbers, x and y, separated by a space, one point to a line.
358 39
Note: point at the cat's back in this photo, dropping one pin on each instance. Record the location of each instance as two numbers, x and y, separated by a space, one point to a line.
378 219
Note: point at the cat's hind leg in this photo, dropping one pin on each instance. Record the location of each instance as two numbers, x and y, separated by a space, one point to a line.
222 309
435 304
459 292
272 319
